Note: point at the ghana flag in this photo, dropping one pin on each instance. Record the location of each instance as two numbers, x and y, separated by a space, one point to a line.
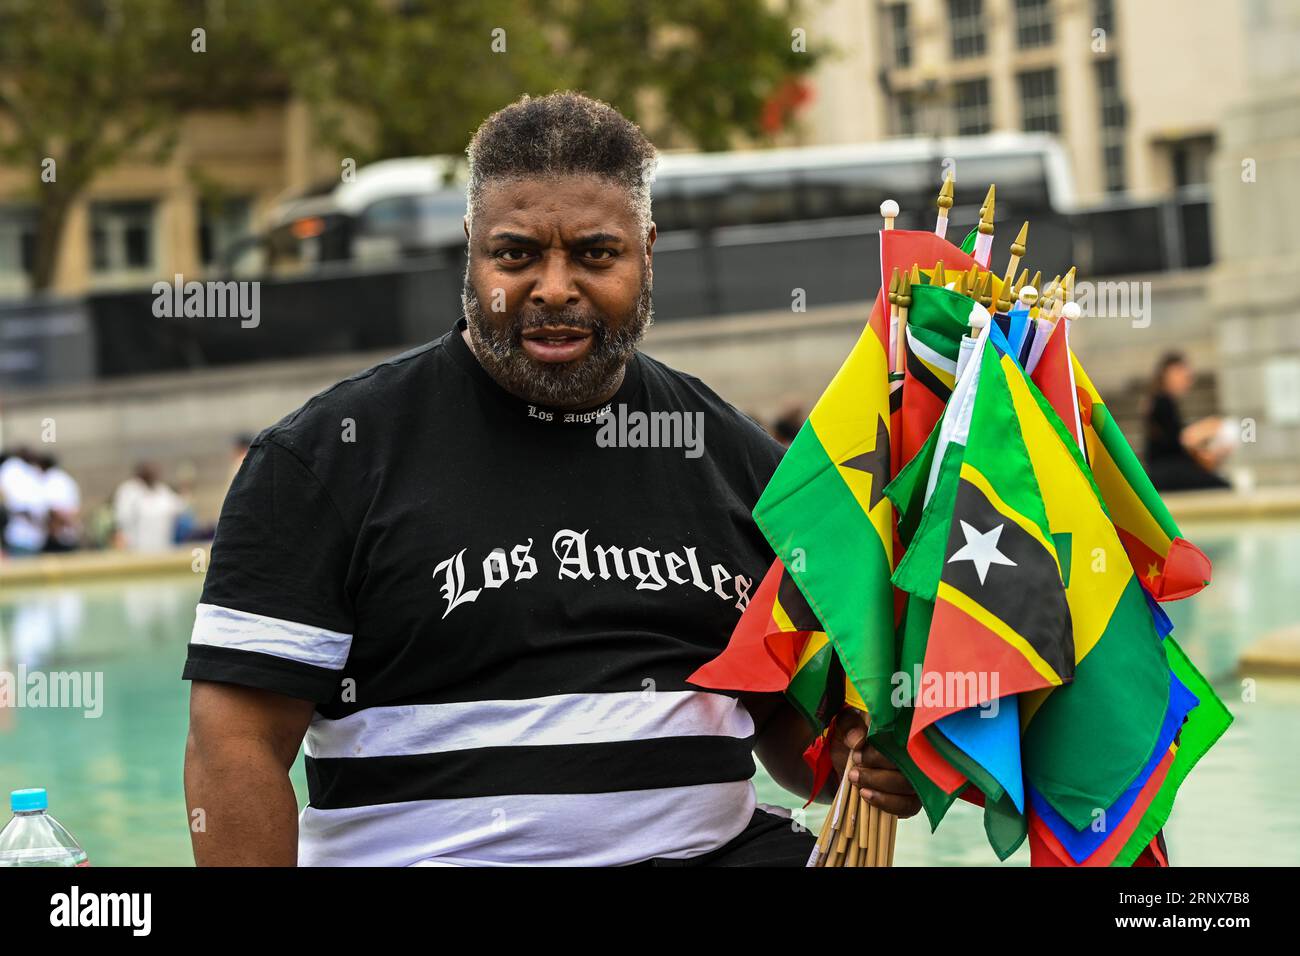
825 514
1169 566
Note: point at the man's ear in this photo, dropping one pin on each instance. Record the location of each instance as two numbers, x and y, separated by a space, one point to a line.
464 221
650 238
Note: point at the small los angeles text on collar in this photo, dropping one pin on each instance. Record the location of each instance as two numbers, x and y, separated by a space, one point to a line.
636 429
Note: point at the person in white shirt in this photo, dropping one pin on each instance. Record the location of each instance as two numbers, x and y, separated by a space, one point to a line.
22 490
145 510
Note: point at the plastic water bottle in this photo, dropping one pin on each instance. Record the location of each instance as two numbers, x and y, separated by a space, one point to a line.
34 838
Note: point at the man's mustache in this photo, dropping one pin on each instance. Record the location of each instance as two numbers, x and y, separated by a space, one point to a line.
527 321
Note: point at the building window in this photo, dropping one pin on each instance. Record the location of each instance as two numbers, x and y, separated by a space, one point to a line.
904 114
1112 157
1038 112
221 223
17 244
971 106
121 237
1112 105
966 23
1033 23
1103 15
896 30
1112 125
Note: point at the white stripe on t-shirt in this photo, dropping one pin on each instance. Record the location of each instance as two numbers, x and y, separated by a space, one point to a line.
558 719
568 829
239 630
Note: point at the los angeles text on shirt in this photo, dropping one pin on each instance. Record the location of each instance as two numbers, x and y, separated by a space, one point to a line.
578 561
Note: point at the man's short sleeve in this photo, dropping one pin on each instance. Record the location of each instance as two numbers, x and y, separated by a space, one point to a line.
274 612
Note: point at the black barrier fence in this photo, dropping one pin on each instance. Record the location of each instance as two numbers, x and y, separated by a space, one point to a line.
698 273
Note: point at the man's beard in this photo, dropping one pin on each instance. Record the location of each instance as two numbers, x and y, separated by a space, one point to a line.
575 384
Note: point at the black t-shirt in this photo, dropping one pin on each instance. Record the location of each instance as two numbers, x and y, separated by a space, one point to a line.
495 612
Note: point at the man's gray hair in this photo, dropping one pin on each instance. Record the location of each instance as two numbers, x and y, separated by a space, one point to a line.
562 133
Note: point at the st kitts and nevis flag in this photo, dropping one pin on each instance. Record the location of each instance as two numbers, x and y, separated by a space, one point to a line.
1169 566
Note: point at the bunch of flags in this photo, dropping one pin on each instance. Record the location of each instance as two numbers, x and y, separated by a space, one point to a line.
970 554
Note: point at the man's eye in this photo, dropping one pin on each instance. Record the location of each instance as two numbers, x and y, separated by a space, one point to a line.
601 255
509 255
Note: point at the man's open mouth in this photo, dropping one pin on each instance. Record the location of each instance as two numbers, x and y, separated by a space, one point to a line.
557 343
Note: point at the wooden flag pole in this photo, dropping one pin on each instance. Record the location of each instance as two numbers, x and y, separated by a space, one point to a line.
825 847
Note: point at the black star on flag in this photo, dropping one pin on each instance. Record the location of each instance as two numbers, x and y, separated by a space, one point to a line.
875 463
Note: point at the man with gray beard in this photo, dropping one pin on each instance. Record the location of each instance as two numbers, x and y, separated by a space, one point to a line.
479 619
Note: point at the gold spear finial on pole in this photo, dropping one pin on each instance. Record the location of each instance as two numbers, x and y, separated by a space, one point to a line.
1049 294
904 303
1017 250
985 294
944 203
1035 283
1020 282
983 251
938 276
1067 286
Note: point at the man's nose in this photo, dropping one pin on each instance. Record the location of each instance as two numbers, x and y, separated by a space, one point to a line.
555 287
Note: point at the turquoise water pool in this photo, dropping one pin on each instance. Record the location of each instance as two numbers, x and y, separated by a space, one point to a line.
115 780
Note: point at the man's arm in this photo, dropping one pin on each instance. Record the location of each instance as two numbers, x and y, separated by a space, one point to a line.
241 744
782 735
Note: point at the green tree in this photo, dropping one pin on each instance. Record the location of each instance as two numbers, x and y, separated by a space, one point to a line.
85 83
392 78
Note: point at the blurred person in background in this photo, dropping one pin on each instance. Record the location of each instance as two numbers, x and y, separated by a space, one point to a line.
145 510
788 423
186 527
238 449
22 489
1181 456
63 503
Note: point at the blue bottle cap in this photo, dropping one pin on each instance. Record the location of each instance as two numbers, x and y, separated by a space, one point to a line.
34 798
